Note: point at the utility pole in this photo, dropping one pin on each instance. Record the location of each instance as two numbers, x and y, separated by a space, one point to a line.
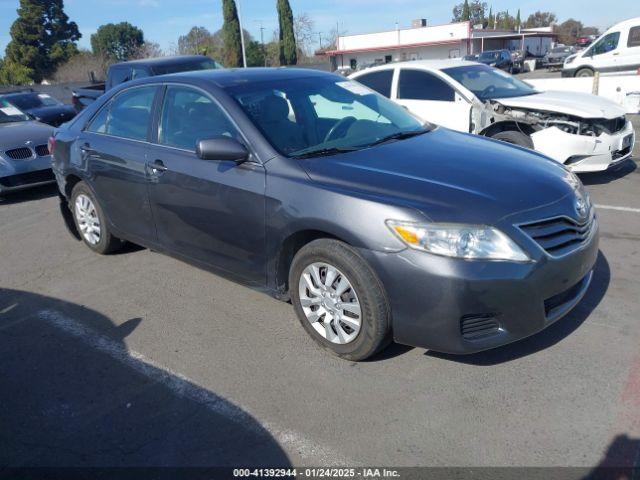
244 52
264 52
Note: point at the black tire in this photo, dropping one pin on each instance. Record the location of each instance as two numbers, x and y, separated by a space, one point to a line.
584 72
107 243
514 137
375 329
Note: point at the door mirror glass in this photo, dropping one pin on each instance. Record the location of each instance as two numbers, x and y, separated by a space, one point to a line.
223 148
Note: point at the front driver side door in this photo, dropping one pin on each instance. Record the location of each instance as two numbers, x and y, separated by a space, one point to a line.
211 212
429 97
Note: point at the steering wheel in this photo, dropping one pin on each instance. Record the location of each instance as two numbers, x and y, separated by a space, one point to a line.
340 129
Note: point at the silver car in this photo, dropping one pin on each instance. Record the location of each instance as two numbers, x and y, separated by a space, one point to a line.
25 160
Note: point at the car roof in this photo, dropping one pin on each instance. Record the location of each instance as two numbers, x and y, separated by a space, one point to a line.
231 77
424 64
173 60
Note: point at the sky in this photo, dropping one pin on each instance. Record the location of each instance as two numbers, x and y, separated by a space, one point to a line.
163 21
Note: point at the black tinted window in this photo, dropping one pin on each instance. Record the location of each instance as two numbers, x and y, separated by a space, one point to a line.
378 81
189 116
634 37
419 85
606 44
120 75
127 116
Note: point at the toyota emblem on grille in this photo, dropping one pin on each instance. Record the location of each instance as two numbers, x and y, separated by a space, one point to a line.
581 207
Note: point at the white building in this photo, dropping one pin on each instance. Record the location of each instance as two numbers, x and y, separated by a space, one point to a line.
423 42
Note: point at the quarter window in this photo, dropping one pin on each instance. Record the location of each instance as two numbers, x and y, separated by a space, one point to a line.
189 116
126 116
634 37
379 81
419 85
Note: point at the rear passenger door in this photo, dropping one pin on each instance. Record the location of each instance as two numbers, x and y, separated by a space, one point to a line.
114 148
432 99
208 211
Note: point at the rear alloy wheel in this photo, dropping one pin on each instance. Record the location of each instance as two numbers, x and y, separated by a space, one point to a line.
90 221
515 138
339 299
584 72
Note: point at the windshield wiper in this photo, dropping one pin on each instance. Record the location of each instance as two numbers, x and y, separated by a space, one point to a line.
324 152
399 136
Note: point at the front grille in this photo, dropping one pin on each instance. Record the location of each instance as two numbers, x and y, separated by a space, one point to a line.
621 153
22 153
42 150
473 327
27 178
560 235
568 296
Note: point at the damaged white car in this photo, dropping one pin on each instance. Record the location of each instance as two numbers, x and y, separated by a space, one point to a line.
584 132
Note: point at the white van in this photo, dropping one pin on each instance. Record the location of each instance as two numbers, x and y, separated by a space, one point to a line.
617 50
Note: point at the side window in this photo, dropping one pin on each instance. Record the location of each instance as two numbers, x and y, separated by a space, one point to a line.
634 37
378 81
419 85
606 44
120 75
127 115
189 116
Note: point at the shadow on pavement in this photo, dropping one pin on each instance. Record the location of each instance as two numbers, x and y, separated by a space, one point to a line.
73 395
549 336
31 194
615 173
621 460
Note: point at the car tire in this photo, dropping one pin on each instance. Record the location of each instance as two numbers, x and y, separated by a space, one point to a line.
90 221
514 137
584 72
325 314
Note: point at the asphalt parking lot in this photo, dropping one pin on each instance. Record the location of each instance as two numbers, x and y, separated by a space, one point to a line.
139 359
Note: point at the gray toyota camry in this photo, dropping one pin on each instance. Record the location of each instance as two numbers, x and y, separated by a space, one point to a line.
318 190
24 153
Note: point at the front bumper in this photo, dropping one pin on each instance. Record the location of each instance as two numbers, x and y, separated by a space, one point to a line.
18 175
581 153
461 307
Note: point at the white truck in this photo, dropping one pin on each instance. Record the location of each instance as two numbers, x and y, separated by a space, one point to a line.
584 132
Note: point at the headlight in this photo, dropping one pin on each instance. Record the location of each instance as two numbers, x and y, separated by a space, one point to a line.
569 59
471 242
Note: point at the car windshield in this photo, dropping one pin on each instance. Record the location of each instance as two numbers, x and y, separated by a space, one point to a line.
205 64
489 55
488 83
10 114
318 116
27 101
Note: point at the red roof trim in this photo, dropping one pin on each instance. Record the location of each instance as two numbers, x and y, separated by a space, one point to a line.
394 47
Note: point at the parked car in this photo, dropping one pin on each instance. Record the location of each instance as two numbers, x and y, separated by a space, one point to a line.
124 72
470 58
40 106
556 56
316 189
584 42
616 50
501 59
584 132
24 153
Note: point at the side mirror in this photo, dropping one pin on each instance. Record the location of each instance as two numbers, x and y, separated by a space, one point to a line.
222 148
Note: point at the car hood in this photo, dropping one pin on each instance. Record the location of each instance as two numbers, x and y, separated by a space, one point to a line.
16 134
449 176
583 105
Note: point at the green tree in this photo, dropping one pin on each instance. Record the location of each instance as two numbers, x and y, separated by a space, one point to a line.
288 48
231 35
119 42
569 31
12 73
518 23
474 12
540 19
491 20
199 41
42 37
255 54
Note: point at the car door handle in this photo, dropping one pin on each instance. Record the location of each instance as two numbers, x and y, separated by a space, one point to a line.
86 148
158 167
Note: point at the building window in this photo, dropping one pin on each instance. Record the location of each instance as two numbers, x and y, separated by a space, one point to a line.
388 59
353 63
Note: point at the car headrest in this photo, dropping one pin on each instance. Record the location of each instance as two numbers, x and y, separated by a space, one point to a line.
274 109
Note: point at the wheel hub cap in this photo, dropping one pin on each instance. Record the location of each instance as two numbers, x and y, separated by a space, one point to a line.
330 303
87 218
